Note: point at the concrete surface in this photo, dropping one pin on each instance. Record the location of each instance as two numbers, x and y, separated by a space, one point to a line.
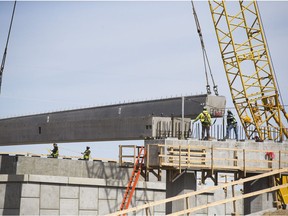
40 186
127 121
186 182
27 190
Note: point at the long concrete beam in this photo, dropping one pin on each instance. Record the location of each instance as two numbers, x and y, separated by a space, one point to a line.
127 121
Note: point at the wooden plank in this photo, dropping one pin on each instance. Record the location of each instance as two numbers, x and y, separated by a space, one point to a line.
187 211
234 202
183 146
209 189
186 153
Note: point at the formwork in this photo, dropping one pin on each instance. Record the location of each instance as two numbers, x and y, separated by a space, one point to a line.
191 164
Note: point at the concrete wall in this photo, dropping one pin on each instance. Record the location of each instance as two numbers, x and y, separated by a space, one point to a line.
184 183
187 182
63 167
258 203
33 186
55 195
47 186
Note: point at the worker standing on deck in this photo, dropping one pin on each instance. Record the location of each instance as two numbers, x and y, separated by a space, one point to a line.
231 123
86 153
205 119
55 151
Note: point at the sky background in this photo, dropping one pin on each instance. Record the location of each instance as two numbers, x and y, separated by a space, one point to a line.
68 55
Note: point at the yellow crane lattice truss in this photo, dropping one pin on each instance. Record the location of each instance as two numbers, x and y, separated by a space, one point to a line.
249 68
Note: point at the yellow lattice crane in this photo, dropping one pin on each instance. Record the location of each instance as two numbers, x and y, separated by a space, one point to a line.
249 69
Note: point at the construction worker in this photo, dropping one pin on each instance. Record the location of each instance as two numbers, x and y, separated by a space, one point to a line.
205 119
55 151
231 123
86 153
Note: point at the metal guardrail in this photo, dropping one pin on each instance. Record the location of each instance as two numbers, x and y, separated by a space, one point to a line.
218 131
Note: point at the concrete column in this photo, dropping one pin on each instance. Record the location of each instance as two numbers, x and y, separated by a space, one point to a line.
183 183
259 202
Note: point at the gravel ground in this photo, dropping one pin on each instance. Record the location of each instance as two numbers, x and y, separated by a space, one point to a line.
277 212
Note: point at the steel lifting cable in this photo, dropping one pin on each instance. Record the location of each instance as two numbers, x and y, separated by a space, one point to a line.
6 46
205 56
273 69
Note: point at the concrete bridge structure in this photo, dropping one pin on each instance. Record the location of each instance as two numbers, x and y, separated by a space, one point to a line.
175 164
36 185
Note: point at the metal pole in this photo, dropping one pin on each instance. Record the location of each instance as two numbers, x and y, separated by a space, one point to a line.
223 122
182 129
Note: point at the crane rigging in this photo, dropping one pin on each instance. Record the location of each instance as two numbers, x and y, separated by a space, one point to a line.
204 53
6 46
248 66
249 70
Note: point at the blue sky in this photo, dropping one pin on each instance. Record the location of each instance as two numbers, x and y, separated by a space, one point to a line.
66 55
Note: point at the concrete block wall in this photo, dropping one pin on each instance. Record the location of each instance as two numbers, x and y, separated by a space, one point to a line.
63 167
42 198
28 190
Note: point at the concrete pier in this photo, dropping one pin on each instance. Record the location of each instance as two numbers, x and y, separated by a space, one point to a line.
192 164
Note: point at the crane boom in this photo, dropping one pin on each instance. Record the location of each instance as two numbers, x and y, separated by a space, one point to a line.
249 70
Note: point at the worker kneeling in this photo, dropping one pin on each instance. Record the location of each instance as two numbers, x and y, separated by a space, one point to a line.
86 153
54 151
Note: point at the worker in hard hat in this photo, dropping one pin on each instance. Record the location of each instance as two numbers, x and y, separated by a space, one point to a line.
55 151
86 153
231 123
205 119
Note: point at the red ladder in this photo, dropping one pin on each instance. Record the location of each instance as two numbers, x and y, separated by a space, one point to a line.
133 179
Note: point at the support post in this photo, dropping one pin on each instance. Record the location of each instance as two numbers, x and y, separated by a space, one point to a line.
147 168
244 163
187 204
120 155
180 159
182 119
234 202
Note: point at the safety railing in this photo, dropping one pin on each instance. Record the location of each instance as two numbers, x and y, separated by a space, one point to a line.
128 154
218 131
215 158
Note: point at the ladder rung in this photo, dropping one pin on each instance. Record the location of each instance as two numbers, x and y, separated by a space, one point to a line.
133 179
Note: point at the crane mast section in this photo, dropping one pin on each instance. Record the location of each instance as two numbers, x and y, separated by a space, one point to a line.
248 68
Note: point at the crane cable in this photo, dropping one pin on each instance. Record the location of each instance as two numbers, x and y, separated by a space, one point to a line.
273 69
205 56
6 46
